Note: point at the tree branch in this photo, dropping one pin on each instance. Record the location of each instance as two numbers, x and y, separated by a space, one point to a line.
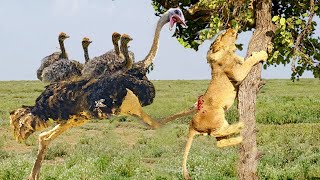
301 36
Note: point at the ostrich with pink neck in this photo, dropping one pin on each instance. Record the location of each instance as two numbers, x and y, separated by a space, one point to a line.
75 102
172 16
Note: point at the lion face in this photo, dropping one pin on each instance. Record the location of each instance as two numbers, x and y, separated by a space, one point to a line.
222 49
23 123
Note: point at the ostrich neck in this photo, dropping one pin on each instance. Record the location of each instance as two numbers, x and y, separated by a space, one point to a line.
155 44
116 48
63 50
125 52
86 54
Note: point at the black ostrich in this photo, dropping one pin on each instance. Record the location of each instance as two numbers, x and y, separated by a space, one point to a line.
73 103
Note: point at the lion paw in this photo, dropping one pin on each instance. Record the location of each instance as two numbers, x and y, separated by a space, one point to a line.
261 55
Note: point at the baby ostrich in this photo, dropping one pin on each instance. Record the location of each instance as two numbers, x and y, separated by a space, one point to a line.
227 70
109 62
125 39
64 69
48 60
75 102
85 44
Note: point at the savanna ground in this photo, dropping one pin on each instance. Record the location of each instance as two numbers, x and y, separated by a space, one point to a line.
288 116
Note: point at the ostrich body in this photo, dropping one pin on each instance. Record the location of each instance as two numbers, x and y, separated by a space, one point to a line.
48 60
64 68
74 103
111 61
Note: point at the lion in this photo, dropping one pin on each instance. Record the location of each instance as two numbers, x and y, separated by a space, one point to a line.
227 71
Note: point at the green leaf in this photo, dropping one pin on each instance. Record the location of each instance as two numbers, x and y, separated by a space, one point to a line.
275 18
282 21
298 21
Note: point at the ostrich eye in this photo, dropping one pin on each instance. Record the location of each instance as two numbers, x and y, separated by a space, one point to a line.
177 12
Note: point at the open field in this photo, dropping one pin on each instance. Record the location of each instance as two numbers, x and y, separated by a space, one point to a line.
288 116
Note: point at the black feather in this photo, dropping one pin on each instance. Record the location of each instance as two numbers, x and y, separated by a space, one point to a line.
62 99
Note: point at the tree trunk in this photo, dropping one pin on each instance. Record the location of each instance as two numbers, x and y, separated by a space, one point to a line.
248 160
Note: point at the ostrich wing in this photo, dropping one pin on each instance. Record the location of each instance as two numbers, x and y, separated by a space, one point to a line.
63 99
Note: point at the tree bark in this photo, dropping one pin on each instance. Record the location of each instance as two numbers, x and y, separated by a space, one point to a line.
247 95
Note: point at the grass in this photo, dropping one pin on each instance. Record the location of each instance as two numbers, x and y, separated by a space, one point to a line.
288 116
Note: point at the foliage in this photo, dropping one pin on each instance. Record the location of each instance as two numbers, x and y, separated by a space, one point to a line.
205 18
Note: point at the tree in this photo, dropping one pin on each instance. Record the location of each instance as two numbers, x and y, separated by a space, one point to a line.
283 28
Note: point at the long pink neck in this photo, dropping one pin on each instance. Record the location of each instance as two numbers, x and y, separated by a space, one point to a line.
155 44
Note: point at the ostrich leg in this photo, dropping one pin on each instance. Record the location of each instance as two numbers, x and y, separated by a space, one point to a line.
190 111
46 137
132 106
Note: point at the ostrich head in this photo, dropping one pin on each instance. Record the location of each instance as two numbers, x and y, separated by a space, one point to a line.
22 122
86 42
63 36
175 15
125 39
115 37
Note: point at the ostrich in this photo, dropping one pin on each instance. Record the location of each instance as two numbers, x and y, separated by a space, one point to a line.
48 60
110 62
124 50
64 69
74 103
85 44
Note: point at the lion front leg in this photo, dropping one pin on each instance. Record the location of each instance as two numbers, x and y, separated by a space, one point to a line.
239 72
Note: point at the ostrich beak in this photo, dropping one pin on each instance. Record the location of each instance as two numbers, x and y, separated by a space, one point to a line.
177 19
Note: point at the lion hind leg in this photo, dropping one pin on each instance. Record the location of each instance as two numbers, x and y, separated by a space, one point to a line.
191 135
228 130
229 141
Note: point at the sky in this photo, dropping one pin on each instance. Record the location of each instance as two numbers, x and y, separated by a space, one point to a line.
29 32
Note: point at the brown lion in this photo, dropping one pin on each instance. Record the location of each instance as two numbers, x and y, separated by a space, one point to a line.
227 71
